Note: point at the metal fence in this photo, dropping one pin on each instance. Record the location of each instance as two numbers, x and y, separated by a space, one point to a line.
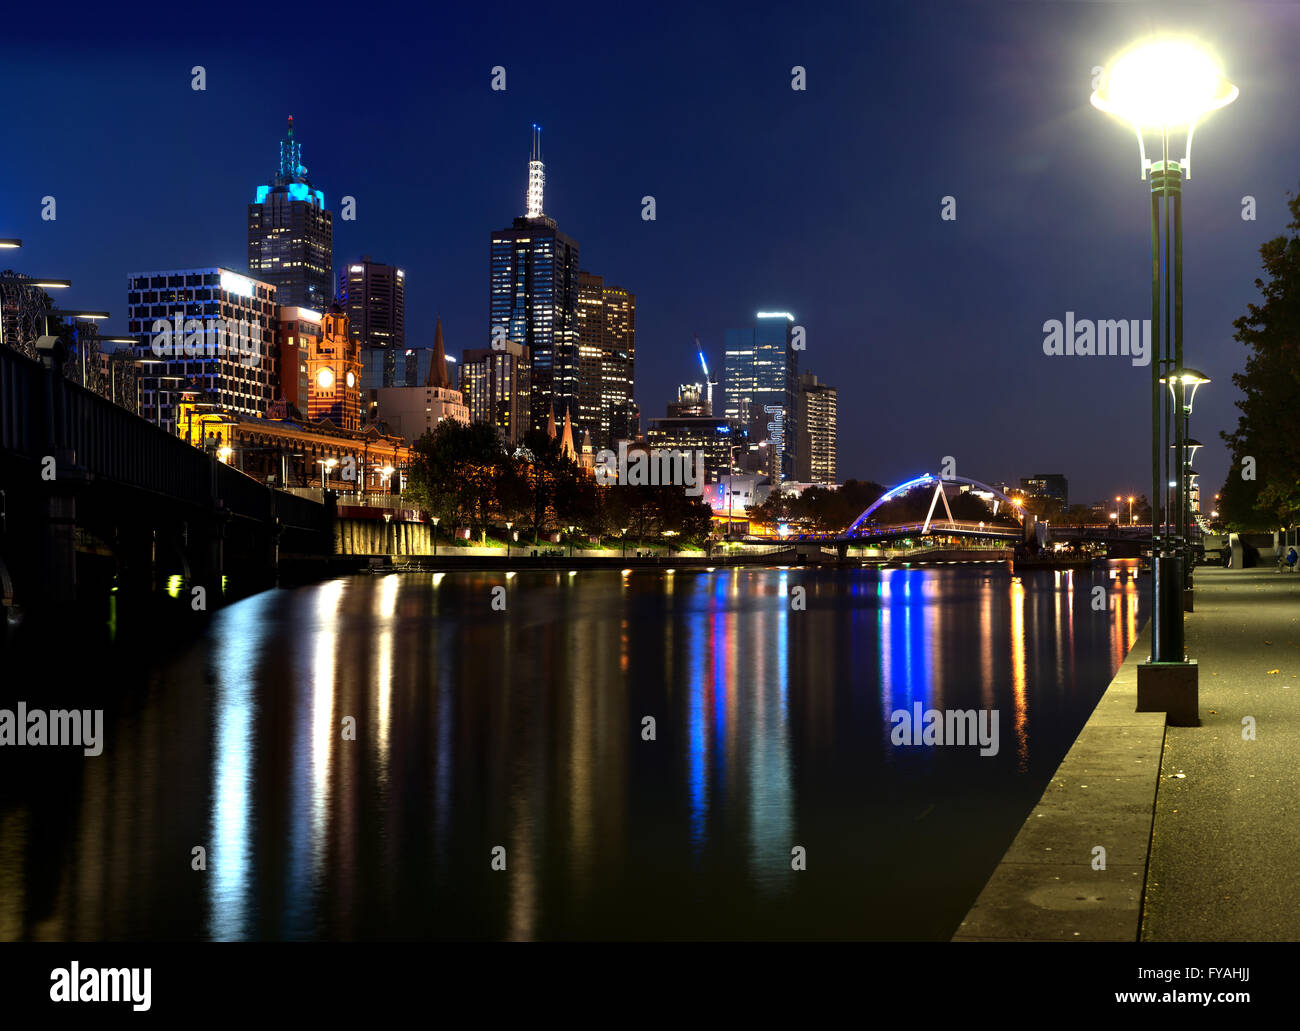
111 443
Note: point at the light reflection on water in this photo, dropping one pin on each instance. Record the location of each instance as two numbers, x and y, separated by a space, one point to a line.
354 755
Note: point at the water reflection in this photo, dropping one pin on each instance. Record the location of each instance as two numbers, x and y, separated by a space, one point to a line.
365 745
230 878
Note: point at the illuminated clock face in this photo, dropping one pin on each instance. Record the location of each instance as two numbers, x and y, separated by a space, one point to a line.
325 378
352 380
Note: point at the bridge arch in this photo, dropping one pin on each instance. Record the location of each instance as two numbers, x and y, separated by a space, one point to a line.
929 478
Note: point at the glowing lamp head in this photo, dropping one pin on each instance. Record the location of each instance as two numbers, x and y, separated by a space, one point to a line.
1191 379
1162 88
1163 84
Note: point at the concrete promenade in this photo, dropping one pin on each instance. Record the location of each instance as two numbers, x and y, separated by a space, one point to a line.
1225 852
1046 887
1200 826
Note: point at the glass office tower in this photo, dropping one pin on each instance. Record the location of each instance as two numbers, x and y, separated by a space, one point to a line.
291 235
533 293
760 374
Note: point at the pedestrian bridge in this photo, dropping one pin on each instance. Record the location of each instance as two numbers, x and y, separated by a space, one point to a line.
865 529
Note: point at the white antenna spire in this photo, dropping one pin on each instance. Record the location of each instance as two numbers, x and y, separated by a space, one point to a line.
536 175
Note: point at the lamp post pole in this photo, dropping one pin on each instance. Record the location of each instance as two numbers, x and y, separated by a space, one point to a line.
1162 88
1167 337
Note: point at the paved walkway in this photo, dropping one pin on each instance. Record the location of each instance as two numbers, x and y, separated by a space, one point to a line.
1225 847
1050 885
1201 826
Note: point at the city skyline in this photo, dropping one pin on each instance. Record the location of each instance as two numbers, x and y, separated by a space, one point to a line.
881 325
676 474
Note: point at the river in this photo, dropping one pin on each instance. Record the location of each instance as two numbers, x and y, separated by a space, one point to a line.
470 755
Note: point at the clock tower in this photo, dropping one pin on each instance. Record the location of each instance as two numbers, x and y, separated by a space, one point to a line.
334 374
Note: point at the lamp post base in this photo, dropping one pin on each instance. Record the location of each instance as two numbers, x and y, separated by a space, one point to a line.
1171 688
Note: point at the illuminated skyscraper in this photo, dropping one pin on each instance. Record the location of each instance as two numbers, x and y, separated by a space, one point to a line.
760 373
607 357
817 419
224 340
374 296
494 384
291 235
533 299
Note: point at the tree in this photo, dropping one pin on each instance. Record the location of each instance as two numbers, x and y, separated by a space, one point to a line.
1080 515
1043 507
551 480
456 472
1266 442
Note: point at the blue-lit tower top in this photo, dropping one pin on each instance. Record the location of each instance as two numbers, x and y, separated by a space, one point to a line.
290 157
291 177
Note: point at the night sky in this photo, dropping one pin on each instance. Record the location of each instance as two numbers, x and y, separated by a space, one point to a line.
824 203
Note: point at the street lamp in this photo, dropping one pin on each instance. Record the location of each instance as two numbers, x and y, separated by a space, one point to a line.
1179 383
82 316
157 397
114 358
139 390
42 283
436 520
1161 88
571 529
326 465
509 526
625 539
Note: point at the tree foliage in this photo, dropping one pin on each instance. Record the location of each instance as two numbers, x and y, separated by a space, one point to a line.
818 509
466 476
1268 429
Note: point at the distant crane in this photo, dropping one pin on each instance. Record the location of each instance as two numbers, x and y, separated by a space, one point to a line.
708 382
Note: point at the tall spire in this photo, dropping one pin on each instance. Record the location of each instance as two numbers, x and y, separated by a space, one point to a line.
291 166
566 439
536 175
438 367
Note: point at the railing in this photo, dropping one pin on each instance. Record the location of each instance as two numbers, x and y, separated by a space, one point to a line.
890 553
116 445
21 390
749 550
935 526
357 499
